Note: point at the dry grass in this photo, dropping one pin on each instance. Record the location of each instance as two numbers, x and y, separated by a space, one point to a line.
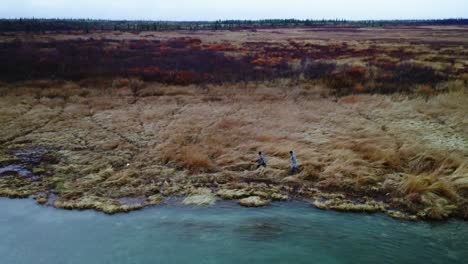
118 145
459 179
424 183
191 157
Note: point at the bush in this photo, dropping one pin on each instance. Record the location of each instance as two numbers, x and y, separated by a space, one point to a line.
348 80
119 83
407 78
410 74
135 85
317 70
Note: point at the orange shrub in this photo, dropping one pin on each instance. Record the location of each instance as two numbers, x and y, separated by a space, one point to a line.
191 157
194 158
272 61
425 91
359 88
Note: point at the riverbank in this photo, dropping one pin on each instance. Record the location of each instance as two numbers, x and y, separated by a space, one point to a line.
109 150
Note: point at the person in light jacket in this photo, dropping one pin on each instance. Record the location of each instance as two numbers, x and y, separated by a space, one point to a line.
294 167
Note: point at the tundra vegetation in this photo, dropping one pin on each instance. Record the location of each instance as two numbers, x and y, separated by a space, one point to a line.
115 121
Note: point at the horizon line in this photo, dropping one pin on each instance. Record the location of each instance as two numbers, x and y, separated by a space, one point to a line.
233 19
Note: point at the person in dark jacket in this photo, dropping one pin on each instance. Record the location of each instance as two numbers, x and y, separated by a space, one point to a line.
261 161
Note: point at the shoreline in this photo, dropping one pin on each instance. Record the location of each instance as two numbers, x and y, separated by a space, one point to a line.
24 163
187 195
177 202
347 206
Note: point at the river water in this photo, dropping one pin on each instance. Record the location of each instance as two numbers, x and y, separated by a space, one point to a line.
290 232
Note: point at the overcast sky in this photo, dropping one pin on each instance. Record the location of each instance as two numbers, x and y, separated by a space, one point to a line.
234 9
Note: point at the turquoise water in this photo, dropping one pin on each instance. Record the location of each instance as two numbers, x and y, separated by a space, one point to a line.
283 233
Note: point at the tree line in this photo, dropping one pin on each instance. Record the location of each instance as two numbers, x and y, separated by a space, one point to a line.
42 25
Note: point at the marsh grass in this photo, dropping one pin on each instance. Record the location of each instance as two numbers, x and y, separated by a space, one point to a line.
404 151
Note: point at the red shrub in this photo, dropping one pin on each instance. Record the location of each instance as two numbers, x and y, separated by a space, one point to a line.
356 72
220 47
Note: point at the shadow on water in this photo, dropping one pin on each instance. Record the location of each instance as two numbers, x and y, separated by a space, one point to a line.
187 227
261 229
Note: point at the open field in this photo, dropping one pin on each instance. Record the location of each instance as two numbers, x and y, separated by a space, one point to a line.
377 116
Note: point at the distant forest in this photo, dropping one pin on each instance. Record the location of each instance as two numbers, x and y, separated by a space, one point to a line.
41 25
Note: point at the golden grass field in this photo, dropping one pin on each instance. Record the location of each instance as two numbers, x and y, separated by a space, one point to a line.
113 148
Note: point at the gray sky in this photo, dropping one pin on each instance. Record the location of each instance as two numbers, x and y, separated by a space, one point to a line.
235 9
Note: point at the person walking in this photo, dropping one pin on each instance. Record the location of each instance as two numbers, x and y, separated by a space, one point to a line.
294 167
261 161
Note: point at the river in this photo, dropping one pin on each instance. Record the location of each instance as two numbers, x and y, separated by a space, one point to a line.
288 232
